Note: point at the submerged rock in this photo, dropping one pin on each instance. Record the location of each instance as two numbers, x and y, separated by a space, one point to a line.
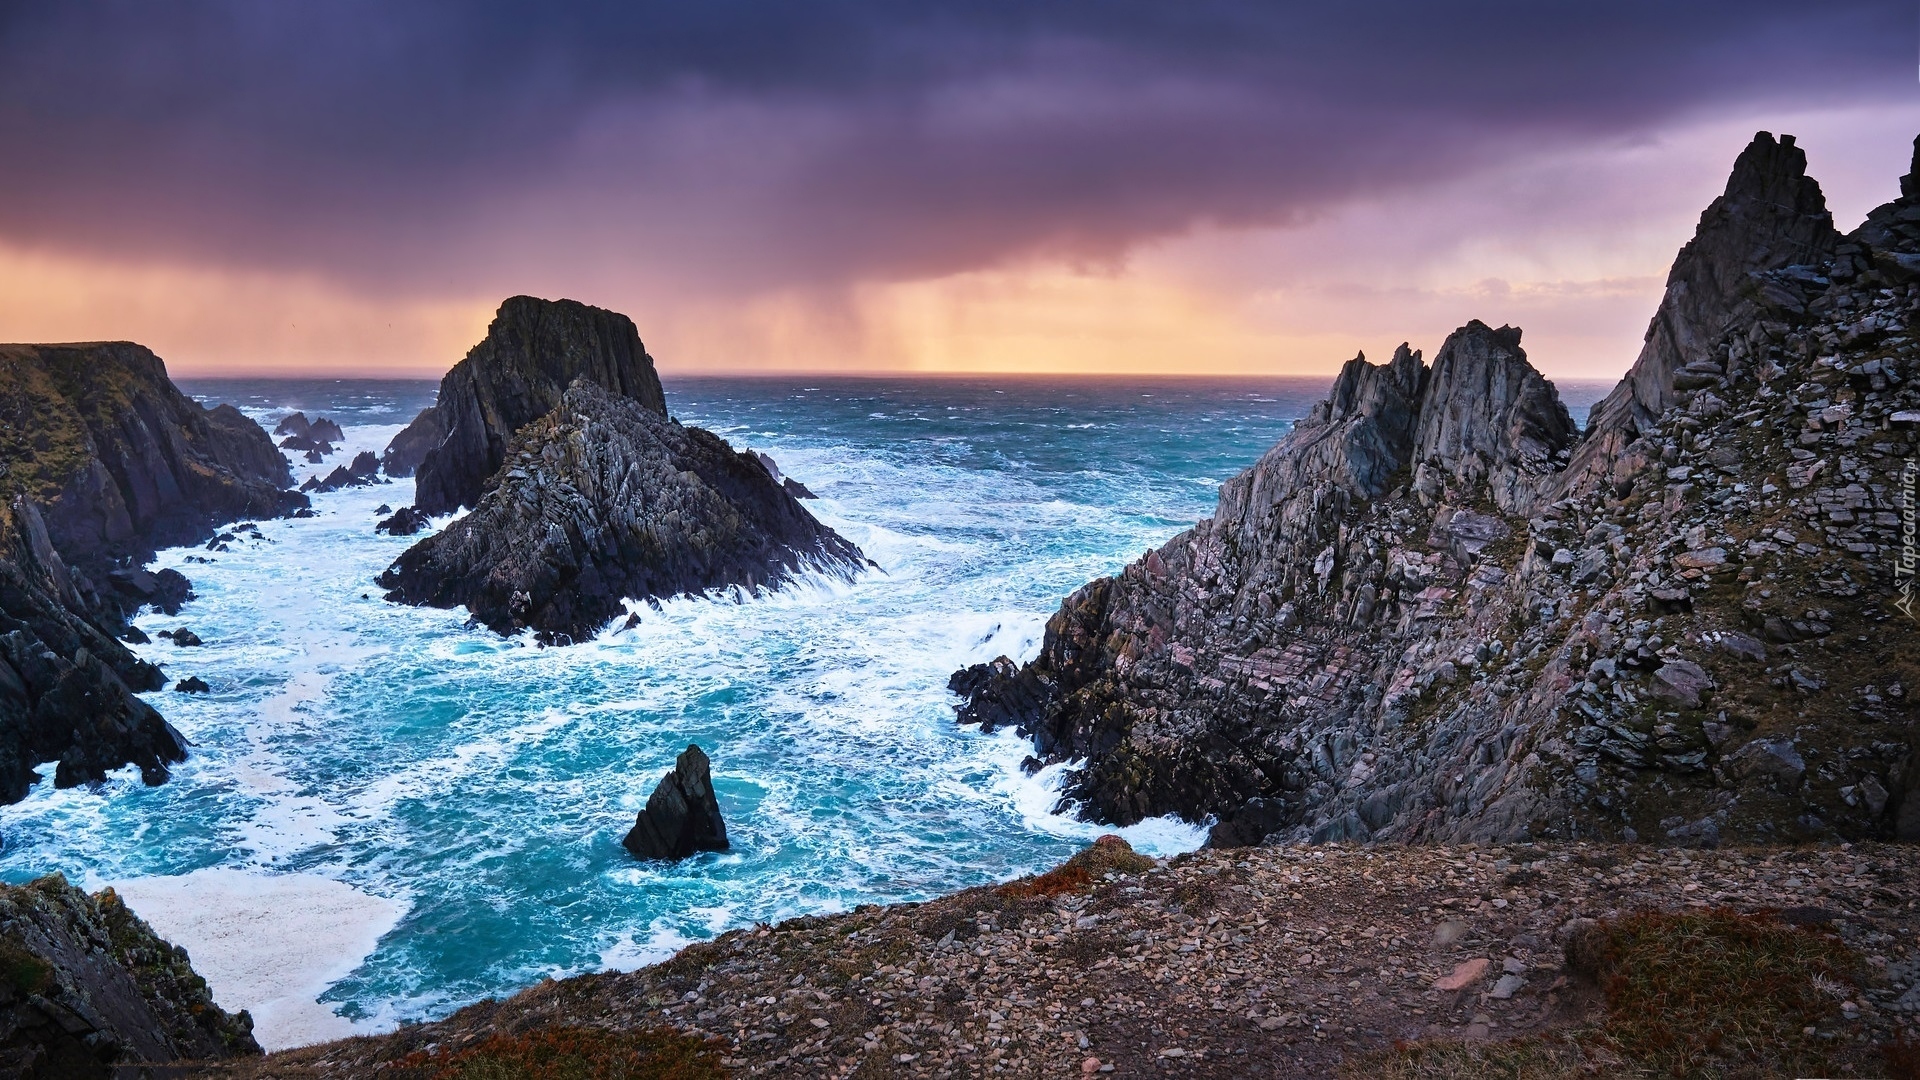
192 684
682 816
90 991
605 500
533 351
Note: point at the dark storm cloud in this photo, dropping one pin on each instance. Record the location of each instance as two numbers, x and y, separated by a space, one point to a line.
416 144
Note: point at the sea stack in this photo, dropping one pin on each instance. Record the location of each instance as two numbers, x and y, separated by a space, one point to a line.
1436 612
534 350
682 816
600 500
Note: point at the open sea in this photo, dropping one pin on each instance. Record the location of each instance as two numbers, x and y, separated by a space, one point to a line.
387 815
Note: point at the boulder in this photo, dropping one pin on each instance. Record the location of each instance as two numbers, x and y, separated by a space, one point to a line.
404 522
533 351
605 500
1682 683
682 816
364 470
192 684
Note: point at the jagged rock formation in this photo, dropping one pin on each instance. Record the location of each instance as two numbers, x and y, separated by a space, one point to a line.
403 522
66 686
1434 612
533 350
682 815
120 461
604 499
86 987
364 470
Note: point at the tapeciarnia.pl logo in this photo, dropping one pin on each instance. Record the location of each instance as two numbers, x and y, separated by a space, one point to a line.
1905 565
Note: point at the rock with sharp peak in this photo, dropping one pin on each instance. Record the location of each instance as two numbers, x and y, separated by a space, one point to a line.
682 816
1435 612
605 500
1772 215
533 351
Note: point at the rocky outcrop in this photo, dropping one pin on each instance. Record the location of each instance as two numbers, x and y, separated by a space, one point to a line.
682 816
362 471
405 521
533 351
602 500
87 990
120 461
1772 215
1435 612
66 686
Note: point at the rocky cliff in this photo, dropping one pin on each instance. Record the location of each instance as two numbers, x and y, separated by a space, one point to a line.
66 685
87 990
602 499
120 461
1434 611
533 351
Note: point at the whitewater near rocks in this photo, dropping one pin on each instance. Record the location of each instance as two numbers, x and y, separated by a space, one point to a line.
472 790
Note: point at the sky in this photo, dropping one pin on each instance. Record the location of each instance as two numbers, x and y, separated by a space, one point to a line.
1114 186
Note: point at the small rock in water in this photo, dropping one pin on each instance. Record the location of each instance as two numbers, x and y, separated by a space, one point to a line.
192 684
184 638
682 815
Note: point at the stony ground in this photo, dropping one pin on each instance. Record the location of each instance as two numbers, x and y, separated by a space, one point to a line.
1252 962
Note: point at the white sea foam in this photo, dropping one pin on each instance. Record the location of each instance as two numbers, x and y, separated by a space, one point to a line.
268 943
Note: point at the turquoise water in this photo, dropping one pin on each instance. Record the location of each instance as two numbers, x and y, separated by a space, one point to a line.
482 784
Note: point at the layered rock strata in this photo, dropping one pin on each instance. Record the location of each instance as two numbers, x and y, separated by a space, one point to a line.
682 816
1434 612
66 685
120 461
88 990
533 351
605 499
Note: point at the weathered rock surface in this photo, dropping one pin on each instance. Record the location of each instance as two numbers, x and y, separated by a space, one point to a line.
362 471
405 521
682 816
88 986
66 685
1435 612
604 499
533 351
120 461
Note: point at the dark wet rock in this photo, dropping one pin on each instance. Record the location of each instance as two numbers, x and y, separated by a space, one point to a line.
66 684
682 816
165 590
294 424
533 351
602 500
405 522
192 684
120 461
325 430
314 449
383 508
1435 612
90 991
364 470
184 638
796 489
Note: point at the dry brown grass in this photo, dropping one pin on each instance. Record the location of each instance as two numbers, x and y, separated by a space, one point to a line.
1109 854
569 1053
1693 994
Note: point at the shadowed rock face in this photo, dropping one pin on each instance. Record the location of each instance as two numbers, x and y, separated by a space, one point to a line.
87 986
1772 215
1434 612
533 350
605 499
66 686
120 461
682 816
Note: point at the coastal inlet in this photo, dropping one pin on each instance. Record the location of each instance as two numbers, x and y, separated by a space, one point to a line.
472 790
